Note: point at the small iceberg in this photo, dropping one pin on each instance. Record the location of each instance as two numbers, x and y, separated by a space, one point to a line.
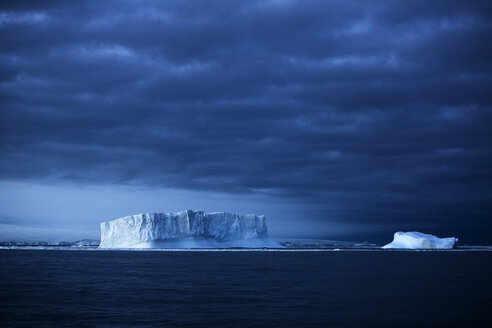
418 240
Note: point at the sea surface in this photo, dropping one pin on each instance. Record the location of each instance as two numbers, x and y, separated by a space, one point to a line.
63 288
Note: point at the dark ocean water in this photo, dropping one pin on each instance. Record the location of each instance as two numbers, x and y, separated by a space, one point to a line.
244 289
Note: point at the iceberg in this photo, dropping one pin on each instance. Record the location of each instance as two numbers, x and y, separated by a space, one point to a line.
418 240
187 229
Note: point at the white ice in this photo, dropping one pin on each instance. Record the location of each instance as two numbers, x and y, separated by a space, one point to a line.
418 240
187 229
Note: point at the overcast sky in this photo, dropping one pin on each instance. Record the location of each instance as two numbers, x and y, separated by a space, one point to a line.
336 119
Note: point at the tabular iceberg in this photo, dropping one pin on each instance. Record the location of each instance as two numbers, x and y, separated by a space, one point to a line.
187 229
418 240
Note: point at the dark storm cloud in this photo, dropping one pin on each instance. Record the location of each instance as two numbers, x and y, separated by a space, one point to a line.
382 108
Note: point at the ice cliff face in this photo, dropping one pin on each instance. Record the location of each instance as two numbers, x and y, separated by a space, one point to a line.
418 240
186 229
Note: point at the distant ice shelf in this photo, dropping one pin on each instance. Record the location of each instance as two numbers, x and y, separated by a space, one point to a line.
418 240
187 229
302 243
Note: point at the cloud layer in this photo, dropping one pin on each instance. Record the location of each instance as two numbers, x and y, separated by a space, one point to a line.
374 112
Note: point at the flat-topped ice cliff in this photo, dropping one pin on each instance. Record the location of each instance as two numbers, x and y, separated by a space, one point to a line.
418 240
187 229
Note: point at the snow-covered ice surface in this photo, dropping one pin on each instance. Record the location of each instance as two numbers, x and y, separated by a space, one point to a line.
187 229
418 240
